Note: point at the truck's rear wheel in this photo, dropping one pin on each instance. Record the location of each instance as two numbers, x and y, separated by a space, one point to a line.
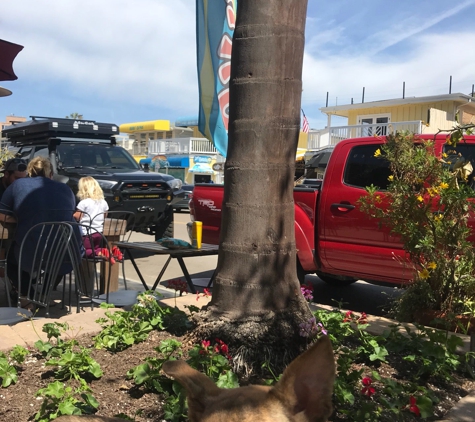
337 281
300 272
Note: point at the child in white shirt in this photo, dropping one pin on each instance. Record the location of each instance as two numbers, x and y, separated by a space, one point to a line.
91 211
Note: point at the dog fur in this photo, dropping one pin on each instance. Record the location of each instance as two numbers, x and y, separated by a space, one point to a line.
303 394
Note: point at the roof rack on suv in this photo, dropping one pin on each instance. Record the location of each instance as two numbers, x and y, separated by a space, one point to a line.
39 128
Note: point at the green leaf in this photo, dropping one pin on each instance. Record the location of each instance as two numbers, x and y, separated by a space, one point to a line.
228 380
425 406
141 373
90 400
69 407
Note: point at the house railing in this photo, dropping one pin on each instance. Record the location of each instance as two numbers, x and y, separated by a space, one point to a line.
202 146
339 133
333 135
181 146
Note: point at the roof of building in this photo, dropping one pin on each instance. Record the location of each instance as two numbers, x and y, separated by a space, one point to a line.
343 110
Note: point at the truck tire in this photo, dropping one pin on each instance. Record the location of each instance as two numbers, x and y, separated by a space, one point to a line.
300 272
166 225
337 281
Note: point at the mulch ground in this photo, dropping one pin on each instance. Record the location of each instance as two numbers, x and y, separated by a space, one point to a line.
116 394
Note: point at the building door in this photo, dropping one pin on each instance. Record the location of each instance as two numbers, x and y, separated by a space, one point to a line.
374 125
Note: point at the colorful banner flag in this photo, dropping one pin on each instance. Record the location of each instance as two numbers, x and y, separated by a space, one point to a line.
215 22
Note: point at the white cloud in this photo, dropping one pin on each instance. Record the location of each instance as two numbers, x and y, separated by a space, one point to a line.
425 70
137 60
143 50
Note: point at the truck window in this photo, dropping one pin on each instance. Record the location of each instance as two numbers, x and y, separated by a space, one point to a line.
461 154
364 169
96 156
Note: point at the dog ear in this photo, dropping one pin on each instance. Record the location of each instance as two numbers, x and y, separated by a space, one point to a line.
197 385
307 383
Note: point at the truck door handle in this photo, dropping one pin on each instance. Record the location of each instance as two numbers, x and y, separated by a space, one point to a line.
342 207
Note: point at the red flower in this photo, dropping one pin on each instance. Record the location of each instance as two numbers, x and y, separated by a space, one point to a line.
206 292
178 285
413 406
205 343
363 319
367 390
348 316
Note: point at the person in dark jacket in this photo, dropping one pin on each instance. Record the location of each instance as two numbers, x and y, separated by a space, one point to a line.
36 199
12 169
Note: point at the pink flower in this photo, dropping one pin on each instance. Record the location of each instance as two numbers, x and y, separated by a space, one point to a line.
206 293
205 343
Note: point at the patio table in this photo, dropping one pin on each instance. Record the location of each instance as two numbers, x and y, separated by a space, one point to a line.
157 249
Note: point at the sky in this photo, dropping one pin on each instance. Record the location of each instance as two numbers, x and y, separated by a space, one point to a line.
128 61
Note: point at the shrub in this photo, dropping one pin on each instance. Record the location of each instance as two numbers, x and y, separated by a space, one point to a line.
427 205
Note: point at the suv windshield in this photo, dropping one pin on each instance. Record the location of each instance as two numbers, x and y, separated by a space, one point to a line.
96 156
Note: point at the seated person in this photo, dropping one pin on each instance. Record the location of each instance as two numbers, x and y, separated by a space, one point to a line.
14 168
91 211
36 199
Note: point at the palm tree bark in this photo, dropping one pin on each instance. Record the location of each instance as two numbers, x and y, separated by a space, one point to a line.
256 277
256 270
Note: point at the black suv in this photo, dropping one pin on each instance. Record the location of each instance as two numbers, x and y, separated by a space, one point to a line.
79 148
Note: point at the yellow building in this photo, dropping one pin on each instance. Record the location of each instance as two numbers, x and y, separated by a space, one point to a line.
415 114
143 132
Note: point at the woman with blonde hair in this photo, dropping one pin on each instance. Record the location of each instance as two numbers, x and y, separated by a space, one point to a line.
90 212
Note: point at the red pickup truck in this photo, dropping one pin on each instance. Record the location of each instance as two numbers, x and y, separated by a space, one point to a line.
334 239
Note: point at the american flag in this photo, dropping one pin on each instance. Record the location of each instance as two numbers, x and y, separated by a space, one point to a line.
305 126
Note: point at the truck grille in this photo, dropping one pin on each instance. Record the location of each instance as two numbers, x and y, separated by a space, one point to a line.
144 190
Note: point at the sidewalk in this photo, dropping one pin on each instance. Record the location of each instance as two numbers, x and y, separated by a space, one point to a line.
28 332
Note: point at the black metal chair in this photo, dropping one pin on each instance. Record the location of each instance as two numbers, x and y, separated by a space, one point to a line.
9 315
89 281
41 260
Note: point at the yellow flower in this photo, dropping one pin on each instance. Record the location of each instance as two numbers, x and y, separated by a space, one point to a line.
444 185
432 265
438 217
424 274
391 178
420 198
444 155
377 153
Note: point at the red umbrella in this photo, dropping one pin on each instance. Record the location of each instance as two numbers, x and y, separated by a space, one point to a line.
8 52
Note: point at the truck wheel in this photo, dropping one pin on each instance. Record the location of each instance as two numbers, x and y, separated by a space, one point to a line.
170 231
165 227
337 281
300 272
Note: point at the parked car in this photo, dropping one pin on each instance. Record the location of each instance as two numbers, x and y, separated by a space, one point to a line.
334 238
183 198
79 148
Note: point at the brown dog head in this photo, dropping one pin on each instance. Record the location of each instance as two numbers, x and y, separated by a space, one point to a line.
303 394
